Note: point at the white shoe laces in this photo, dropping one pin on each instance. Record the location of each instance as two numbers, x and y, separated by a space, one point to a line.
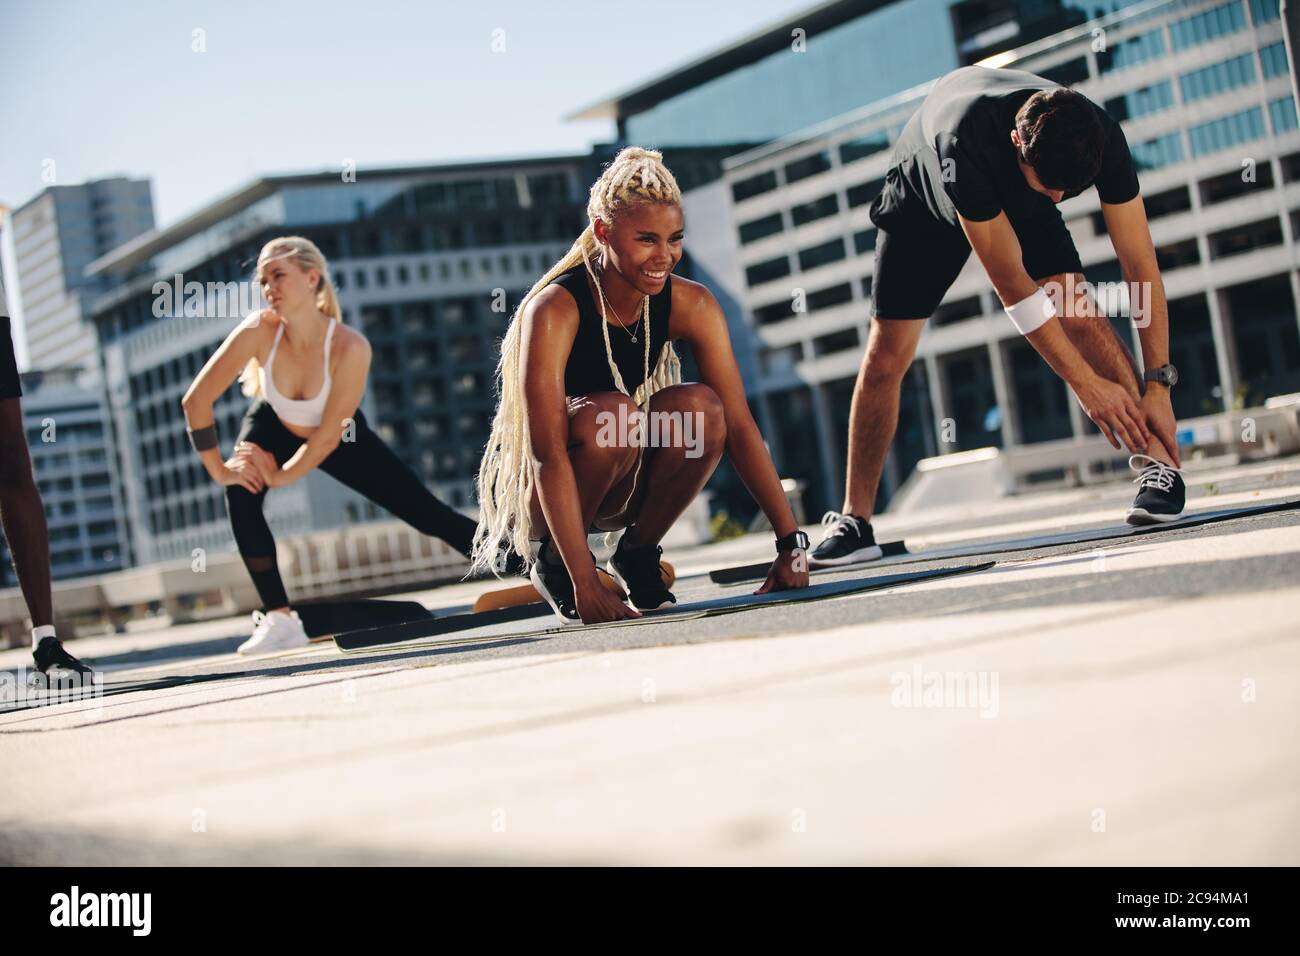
1156 474
839 524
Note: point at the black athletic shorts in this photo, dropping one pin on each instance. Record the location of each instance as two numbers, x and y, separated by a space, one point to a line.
917 261
10 386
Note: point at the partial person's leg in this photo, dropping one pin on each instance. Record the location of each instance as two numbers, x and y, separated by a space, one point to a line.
913 271
685 434
23 515
688 423
873 416
370 467
597 465
252 534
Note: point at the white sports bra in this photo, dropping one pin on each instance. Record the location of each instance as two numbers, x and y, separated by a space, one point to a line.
306 412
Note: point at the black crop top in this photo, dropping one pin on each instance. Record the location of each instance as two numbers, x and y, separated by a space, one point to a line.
588 369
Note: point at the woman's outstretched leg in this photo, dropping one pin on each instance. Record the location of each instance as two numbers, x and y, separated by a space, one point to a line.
368 466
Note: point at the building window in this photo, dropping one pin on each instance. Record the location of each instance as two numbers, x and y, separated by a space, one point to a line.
1210 25
864 193
827 205
864 241
753 186
776 311
757 229
1161 151
1067 73
1263 11
821 254
1218 78
782 359
835 342
863 146
1232 184
1273 60
1167 203
767 271
1290 167
1176 255
1147 100
825 298
1131 52
1240 239
1226 131
807 166
1282 113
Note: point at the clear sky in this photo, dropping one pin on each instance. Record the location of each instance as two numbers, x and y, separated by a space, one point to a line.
113 88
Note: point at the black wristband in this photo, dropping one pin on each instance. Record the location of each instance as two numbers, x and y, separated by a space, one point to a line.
795 540
203 439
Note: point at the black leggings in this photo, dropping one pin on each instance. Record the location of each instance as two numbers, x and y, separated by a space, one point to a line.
365 465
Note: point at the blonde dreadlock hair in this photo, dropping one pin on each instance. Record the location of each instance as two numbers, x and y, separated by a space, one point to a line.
306 256
505 479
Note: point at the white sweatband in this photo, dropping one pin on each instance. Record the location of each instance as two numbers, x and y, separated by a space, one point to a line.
1031 314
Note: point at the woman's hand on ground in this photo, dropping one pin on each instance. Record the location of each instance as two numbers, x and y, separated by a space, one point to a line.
789 570
599 605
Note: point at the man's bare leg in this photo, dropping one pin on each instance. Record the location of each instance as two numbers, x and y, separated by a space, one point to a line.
873 416
1092 334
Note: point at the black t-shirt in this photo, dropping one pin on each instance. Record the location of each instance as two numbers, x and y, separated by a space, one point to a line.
587 370
955 155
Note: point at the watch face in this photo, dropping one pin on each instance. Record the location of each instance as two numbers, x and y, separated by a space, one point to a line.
1171 375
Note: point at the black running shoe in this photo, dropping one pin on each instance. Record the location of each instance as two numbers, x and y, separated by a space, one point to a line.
637 569
1161 496
847 540
55 666
551 579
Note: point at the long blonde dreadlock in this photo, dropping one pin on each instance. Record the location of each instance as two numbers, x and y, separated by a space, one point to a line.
505 479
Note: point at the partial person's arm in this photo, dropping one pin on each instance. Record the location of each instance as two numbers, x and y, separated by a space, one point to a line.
1130 235
710 342
1107 403
212 381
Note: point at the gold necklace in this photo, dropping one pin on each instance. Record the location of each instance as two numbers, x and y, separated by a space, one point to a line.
635 325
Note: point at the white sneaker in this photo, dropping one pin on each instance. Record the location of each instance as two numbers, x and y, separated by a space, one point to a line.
276 631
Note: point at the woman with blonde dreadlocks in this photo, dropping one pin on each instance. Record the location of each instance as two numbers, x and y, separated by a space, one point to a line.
590 347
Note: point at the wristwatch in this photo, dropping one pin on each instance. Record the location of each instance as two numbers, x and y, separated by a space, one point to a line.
795 540
1165 375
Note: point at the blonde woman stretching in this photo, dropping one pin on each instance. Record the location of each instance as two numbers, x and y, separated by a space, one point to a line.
589 347
307 372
